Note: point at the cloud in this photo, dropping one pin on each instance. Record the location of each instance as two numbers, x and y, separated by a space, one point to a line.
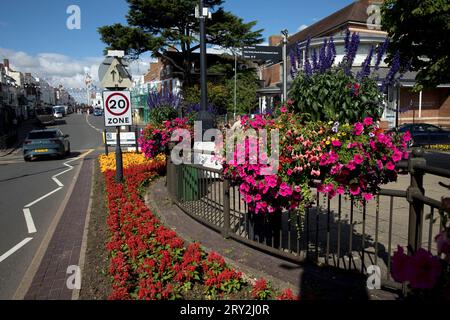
61 69
302 27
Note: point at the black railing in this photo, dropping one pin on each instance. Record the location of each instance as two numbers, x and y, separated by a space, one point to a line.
338 231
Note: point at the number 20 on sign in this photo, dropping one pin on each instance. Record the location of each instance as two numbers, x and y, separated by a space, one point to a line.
117 108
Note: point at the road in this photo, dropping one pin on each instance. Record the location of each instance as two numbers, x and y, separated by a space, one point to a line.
31 195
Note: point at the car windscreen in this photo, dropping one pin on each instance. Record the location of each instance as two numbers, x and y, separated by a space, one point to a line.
59 109
42 135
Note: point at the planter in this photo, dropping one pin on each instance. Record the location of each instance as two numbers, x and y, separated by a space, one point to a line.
265 229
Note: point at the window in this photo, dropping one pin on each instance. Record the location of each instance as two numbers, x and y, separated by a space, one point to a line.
432 128
42 135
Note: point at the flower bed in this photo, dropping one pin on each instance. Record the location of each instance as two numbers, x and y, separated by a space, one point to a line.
108 162
148 260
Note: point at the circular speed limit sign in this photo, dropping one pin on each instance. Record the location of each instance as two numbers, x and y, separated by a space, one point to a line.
117 104
117 108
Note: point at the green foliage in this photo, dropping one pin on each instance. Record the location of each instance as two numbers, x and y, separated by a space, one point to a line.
246 86
155 25
329 96
419 29
162 113
221 94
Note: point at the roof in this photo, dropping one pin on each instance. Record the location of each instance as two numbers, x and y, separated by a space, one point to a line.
355 12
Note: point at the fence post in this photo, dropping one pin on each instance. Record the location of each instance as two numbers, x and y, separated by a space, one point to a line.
416 163
226 208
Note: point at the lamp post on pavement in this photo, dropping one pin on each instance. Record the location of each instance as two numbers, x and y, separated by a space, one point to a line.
202 13
285 41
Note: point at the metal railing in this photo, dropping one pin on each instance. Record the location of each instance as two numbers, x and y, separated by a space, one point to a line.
338 232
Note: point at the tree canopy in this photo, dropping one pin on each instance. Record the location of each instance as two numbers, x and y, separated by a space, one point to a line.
155 25
419 31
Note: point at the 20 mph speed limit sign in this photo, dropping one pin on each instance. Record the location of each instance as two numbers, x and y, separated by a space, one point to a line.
117 108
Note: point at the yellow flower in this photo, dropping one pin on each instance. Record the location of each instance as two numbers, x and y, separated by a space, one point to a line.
108 162
327 142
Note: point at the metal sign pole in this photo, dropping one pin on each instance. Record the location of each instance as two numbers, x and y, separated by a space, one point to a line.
105 141
119 163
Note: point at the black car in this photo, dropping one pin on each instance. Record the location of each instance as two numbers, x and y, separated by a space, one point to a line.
424 134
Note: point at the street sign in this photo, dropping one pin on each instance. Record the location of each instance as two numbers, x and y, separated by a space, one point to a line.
113 74
263 53
127 139
117 108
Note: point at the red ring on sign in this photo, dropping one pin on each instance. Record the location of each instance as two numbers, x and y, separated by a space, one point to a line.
123 96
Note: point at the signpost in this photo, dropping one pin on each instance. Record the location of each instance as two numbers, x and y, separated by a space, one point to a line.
117 113
268 54
114 76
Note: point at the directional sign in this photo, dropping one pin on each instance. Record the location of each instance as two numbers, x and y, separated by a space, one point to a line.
126 139
117 108
264 53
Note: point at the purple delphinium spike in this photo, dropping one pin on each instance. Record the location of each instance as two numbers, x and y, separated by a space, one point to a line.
365 67
299 53
308 69
380 53
351 54
347 41
395 67
331 53
314 60
156 99
322 63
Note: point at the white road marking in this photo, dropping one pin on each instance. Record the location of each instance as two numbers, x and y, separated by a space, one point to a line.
14 249
90 125
43 197
29 220
27 212
59 183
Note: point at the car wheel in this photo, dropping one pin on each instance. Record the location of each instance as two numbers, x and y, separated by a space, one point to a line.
27 159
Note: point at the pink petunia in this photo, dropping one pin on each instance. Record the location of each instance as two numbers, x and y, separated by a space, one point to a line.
336 143
283 109
368 121
285 190
425 270
271 181
367 196
390 166
358 128
443 243
355 190
397 155
358 159
400 264
289 172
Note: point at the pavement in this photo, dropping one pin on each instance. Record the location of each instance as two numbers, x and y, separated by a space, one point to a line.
43 207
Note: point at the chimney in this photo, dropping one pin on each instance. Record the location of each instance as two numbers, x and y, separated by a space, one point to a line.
275 40
6 63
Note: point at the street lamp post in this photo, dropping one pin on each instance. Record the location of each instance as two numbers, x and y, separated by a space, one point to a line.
204 116
285 41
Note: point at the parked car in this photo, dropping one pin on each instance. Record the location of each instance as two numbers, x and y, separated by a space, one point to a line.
59 109
45 115
98 112
424 134
48 142
58 114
